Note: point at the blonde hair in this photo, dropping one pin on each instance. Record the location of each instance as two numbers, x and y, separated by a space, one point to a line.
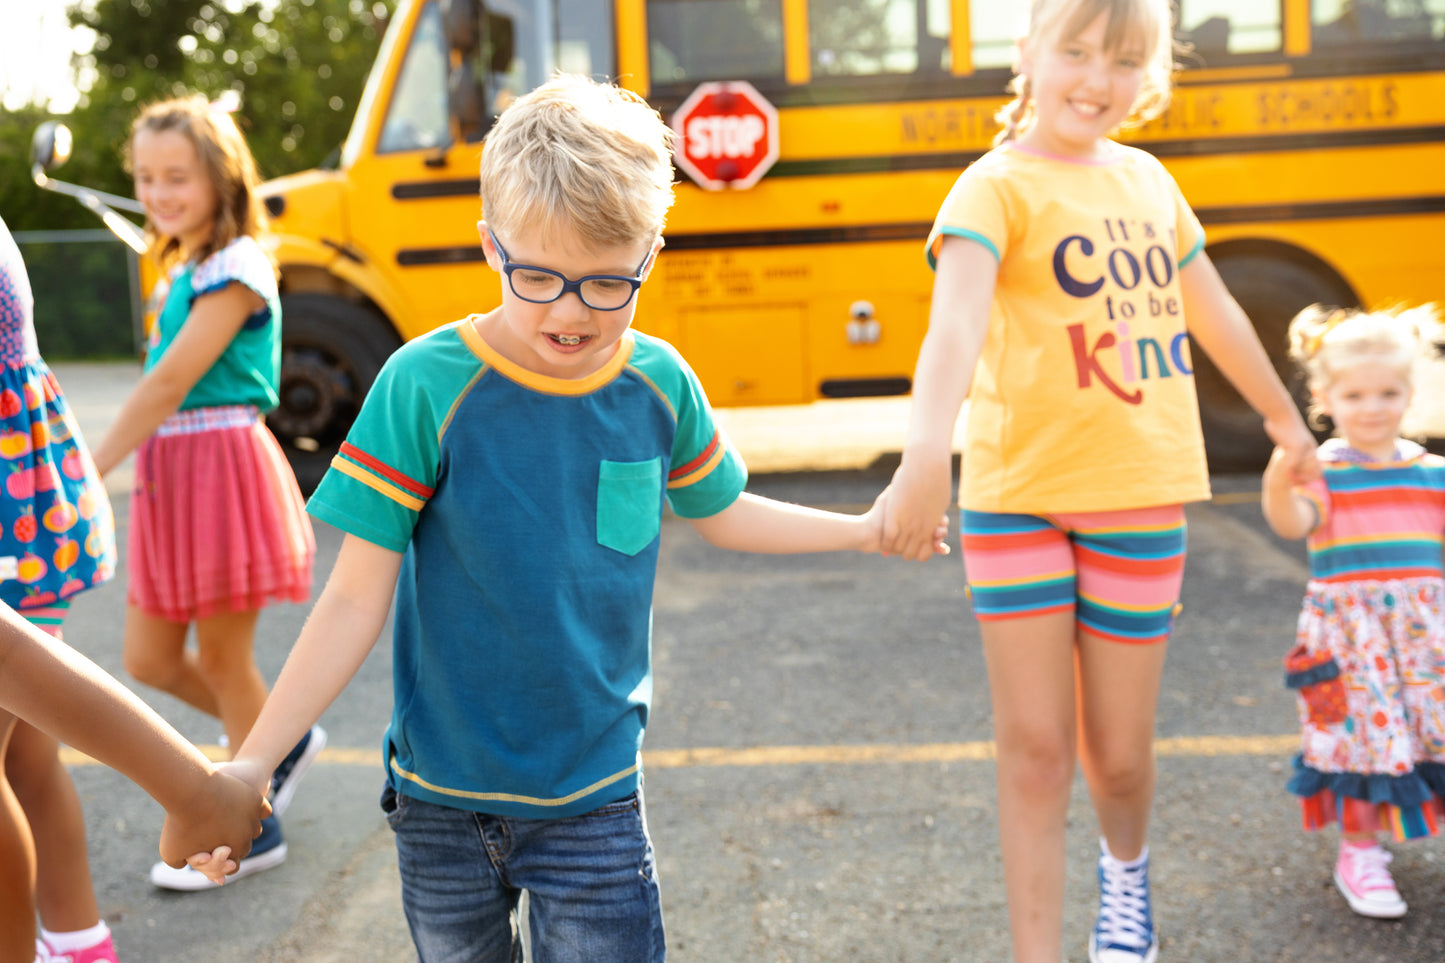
227 162
579 155
1149 21
1324 341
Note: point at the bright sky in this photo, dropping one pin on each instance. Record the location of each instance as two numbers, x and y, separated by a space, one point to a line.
35 48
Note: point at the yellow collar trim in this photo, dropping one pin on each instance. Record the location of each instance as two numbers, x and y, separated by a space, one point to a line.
546 384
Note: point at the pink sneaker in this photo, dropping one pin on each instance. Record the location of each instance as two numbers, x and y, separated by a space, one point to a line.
102 952
1363 877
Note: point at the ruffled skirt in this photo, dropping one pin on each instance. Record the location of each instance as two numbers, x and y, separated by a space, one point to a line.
217 520
1368 668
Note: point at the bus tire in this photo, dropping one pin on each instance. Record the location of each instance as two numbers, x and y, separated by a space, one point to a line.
1271 288
331 352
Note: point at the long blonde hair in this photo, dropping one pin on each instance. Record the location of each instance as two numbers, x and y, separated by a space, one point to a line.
1150 21
1324 341
228 163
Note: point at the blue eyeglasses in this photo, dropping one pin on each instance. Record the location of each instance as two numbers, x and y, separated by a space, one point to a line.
539 285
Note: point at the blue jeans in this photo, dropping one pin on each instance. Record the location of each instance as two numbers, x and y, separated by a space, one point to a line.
590 879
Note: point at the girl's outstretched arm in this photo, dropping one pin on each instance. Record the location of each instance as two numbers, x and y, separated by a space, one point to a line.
1225 333
1288 514
957 323
54 688
214 321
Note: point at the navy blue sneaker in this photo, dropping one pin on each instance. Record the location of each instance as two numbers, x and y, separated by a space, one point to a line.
288 774
1124 931
268 850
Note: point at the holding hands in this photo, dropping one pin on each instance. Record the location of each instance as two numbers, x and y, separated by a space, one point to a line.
218 827
913 505
213 829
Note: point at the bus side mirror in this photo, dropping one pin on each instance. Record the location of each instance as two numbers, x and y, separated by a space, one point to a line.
500 42
50 147
462 20
466 102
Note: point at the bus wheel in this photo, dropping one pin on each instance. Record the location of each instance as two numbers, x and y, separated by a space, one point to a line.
1271 289
331 351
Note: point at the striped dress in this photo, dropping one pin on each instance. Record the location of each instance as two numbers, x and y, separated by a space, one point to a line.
1368 665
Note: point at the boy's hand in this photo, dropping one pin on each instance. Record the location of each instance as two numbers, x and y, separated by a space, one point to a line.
224 813
916 500
215 866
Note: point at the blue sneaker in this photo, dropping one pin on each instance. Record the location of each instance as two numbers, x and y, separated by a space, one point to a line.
290 770
268 850
1124 931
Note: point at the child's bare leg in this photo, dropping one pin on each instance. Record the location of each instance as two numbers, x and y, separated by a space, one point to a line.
17 871
1118 696
64 891
226 660
154 653
1031 683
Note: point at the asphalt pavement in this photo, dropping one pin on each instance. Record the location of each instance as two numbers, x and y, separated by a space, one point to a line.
819 776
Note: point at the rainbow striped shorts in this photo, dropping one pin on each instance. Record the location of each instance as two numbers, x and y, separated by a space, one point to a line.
1119 572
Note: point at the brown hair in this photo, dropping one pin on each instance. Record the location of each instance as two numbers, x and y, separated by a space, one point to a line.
227 162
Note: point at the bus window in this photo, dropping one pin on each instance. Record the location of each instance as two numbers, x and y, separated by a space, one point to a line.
584 41
695 40
417 117
530 35
863 38
995 29
1219 28
1354 22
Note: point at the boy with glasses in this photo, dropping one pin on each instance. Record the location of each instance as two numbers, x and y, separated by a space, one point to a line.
506 478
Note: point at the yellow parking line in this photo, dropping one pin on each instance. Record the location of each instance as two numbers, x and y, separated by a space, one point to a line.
848 755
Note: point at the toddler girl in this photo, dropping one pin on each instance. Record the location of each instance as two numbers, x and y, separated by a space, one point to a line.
1370 648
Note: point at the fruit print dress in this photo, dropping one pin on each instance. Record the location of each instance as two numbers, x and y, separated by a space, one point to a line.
1368 665
57 535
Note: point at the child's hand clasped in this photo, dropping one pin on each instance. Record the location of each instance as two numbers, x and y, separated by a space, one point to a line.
1296 447
216 827
912 505
877 518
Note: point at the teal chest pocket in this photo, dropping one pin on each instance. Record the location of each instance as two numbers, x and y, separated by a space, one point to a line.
629 504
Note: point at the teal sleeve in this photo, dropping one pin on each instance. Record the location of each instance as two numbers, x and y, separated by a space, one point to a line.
387 468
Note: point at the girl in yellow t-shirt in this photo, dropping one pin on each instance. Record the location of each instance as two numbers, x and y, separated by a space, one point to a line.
1068 271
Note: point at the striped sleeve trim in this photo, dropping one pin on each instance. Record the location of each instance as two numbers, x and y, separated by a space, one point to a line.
416 488
377 477
701 466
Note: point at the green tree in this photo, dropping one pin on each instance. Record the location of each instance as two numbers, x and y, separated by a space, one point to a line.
298 68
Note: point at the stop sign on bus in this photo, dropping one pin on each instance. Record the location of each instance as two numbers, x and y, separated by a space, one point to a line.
727 135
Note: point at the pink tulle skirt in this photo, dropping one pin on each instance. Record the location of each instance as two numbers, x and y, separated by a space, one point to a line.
217 523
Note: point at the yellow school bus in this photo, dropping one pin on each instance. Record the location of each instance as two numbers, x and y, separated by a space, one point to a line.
1309 137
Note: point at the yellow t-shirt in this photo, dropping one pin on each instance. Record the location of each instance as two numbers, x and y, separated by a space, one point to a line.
1083 398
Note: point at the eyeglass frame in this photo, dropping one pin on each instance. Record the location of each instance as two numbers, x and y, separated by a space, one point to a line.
509 266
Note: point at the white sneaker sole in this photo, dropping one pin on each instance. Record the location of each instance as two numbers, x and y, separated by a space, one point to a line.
187 880
1366 907
1094 953
282 800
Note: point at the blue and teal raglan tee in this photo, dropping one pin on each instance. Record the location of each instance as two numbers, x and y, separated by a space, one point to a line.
528 509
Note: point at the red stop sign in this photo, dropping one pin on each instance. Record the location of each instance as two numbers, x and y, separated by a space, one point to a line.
727 135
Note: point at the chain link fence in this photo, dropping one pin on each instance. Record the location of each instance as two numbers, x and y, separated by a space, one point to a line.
87 294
